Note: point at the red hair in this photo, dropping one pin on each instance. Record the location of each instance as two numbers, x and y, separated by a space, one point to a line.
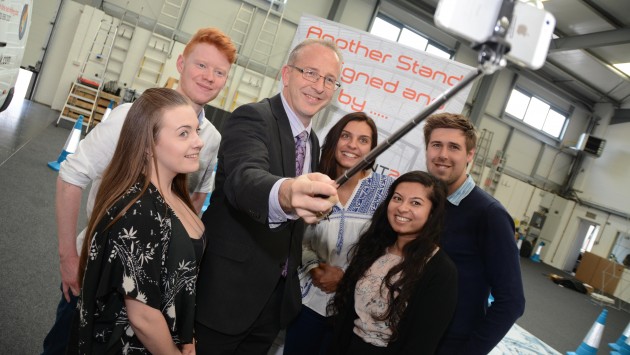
215 37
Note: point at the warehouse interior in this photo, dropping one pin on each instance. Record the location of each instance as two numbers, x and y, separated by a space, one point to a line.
564 182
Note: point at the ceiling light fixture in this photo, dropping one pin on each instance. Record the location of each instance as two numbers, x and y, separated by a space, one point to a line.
624 67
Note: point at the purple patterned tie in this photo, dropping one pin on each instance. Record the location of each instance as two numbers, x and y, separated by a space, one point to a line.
300 152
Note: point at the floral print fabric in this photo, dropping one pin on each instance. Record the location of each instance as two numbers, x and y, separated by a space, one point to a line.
146 255
371 300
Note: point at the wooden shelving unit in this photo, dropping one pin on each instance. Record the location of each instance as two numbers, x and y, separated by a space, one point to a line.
80 101
103 101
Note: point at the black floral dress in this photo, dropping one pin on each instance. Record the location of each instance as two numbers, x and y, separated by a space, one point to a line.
146 255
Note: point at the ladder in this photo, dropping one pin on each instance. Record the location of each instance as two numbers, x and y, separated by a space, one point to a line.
238 33
250 85
494 176
85 90
124 34
481 155
159 47
241 25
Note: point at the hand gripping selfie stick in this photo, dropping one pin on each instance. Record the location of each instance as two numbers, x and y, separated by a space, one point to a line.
490 58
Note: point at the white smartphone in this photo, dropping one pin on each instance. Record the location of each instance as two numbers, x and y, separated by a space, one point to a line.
529 35
473 20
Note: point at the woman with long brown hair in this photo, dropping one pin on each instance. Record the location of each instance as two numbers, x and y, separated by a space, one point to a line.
325 245
144 240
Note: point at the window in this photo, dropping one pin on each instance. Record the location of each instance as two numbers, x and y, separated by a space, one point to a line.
385 29
437 51
412 39
536 113
589 239
393 31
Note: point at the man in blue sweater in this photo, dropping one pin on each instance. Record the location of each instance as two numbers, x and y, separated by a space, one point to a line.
479 237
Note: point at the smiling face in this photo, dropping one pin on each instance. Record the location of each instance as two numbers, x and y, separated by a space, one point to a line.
447 157
304 97
177 144
409 208
354 143
203 73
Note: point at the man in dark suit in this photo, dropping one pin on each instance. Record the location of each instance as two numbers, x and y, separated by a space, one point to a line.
248 288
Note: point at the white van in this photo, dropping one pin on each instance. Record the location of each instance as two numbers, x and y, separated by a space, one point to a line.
14 25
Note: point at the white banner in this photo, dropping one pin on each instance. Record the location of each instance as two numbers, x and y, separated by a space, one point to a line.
388 81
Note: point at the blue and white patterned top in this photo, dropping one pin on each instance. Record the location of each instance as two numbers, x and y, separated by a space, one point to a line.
330 240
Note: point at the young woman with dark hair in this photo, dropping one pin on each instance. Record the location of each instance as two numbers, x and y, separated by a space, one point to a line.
325 245
399 292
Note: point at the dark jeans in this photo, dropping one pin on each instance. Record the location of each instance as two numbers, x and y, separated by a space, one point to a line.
309 334
56 341
359 347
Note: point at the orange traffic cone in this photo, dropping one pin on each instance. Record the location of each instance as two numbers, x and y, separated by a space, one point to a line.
593 337
71 144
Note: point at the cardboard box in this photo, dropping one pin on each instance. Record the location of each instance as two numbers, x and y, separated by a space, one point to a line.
587 267
606 276
599 273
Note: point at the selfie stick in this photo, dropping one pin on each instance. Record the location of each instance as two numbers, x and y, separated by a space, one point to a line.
379 149
490 59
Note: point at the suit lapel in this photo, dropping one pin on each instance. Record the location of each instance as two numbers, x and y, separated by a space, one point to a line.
285 136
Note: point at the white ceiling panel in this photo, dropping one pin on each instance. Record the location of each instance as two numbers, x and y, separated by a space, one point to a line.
614 54
587 68
574 17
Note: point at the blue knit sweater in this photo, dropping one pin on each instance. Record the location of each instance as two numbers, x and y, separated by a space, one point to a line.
479 237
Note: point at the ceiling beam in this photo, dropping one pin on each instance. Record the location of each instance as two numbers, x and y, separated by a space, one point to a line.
620 116
583 82
591 40
603 13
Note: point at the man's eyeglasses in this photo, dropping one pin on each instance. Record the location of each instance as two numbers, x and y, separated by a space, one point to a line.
312 76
